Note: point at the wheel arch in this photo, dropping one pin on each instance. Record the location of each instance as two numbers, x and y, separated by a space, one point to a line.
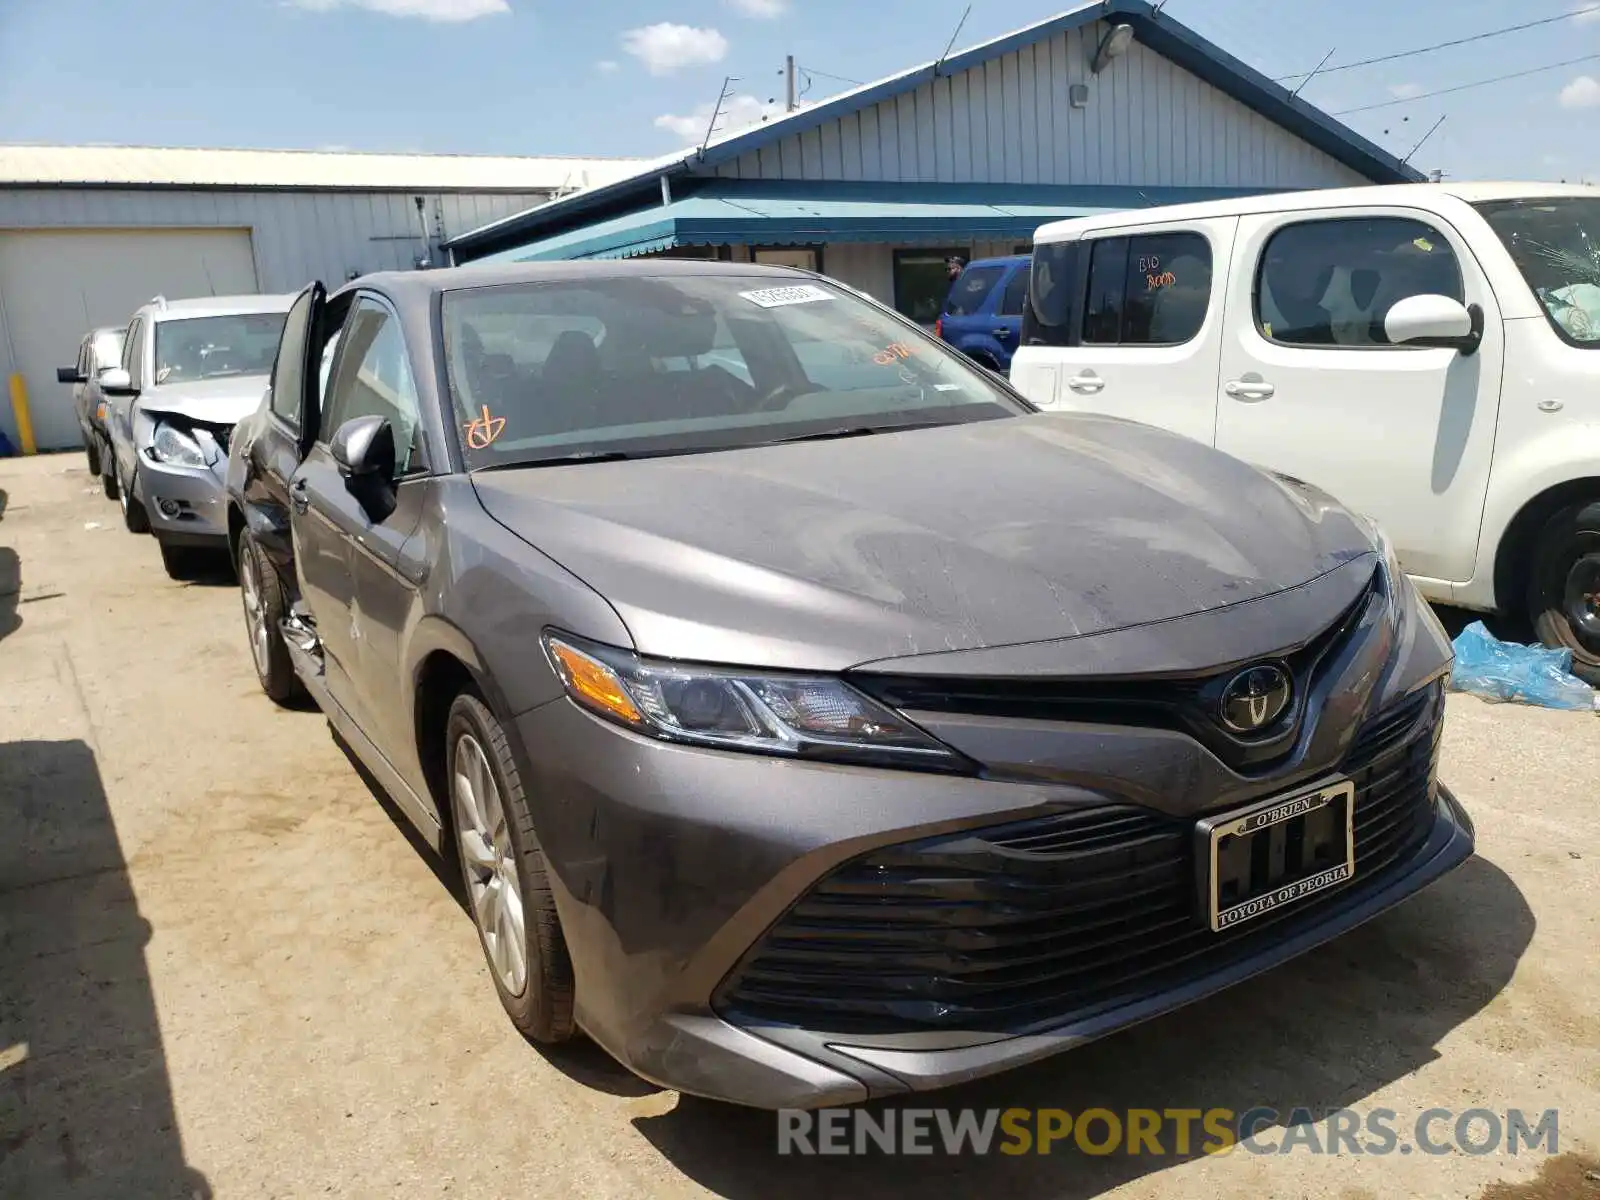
444 663
1514 552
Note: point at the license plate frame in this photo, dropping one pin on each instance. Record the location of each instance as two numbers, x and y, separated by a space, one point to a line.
1215 835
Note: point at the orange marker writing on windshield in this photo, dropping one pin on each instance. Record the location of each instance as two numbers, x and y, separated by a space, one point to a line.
482 432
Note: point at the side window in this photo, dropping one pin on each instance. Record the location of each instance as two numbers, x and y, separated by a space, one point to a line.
1108 277
1332 282
1047 318
1016 292
131 361
1149 290
374 379
968 293
288 369
85 367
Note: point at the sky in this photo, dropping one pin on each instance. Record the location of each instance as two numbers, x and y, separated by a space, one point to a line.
625 77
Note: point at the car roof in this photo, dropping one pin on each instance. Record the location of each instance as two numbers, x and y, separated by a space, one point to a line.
102 330
1397 193
449 279
162 309
1003 260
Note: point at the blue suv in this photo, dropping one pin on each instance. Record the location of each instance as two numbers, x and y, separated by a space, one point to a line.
982 315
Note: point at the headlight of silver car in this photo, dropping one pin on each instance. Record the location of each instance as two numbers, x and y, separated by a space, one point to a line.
810 716
173 445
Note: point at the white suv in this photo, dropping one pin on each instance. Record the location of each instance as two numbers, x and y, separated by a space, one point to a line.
1428 353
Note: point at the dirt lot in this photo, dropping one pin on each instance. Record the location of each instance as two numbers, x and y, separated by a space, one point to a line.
226 970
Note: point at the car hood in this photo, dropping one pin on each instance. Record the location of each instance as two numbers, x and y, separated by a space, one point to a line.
223 401
824 555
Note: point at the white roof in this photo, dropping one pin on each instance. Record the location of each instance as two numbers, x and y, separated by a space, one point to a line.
161 309
1270 202
143 166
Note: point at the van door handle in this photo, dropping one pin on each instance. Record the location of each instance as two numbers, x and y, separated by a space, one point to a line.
1087 383
1250 387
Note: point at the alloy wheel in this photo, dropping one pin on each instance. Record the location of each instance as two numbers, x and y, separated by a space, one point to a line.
489 864
255 612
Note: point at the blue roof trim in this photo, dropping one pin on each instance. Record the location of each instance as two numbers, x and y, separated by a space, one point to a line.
788 213
1161 33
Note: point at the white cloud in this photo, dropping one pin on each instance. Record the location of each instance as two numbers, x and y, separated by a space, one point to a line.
454 11
607 66
665 47
1405 91
1587 13
738 112
1582 92
764 10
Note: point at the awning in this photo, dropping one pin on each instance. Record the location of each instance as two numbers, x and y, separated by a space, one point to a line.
753 214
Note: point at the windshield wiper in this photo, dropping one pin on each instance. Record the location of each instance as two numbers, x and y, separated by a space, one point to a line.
850 431
577 456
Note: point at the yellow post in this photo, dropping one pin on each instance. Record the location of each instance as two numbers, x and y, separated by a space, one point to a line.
19 409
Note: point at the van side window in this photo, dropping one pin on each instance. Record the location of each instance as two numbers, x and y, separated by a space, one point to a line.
1016 292
1047 317
1332 282
1149 290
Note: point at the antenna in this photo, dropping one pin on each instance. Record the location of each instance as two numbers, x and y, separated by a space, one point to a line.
722 97
959 25
1313 73
1425 137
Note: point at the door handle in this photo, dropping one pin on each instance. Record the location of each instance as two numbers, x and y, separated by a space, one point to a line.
1250 387
298 497
1002 333
1087 383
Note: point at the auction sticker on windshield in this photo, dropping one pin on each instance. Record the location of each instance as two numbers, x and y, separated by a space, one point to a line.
803 293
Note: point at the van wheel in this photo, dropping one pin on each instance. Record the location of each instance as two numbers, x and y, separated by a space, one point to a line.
108 472
504 873
134 516
1564 590
91 451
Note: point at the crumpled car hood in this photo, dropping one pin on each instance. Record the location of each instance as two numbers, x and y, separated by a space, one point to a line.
223 401
824 555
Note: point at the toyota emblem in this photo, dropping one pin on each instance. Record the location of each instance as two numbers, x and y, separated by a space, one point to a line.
1255 698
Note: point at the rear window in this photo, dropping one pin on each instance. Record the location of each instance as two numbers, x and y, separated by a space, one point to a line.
968 293
679 364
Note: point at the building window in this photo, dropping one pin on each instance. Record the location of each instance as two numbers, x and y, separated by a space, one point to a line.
1332 283
922 280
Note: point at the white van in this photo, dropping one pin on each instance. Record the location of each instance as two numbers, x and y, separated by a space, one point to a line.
1427 353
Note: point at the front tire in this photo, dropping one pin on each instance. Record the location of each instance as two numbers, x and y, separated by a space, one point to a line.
91 451
1564 587
265 604
504 875
134 517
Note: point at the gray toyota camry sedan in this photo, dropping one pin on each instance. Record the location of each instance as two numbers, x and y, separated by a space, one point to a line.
811 719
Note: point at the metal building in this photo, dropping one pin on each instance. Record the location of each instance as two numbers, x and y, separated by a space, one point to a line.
87 234
1112 105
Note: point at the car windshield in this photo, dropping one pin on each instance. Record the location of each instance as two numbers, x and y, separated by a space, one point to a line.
647 365
108 347
190 348
1555 242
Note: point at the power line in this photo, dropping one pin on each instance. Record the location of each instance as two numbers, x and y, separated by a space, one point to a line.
1461 87
1476 37
826 75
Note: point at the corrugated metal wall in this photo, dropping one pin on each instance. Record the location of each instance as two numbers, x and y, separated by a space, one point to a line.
1148 122
297 235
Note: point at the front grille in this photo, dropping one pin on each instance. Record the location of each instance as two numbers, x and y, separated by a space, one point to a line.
1050 919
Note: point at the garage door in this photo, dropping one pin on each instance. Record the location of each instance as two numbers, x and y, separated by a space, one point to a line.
57 284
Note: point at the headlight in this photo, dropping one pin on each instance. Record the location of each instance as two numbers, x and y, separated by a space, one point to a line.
174 446
810 716
1395 582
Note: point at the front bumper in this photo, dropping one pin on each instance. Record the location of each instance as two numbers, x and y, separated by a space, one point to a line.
186 505
671 866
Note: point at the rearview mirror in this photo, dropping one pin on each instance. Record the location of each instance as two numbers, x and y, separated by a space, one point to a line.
363 448
1436 321
68 375
115 381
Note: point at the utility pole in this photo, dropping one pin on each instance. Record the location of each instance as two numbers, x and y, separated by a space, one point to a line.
788 74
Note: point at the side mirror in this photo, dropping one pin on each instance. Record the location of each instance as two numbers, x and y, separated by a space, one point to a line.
69 375
363 448
1435 321
115 381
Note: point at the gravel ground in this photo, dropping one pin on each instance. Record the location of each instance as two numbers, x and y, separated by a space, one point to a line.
226 969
